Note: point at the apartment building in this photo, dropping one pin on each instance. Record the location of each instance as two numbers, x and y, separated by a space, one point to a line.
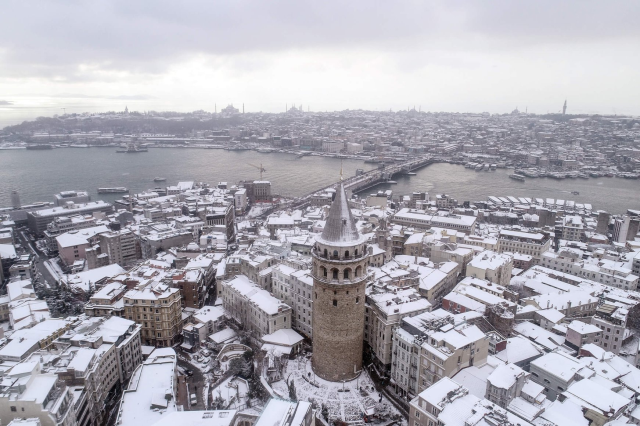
161 237
27 392
121 247
384 312
193 290
220 216
491 266
612 321
433 345
556 371
157 309
72 245
63 224
449 404
302 302
529 243
256 309
571 228
107 301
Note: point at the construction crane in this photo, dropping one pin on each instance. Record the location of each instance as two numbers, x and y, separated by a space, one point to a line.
262 169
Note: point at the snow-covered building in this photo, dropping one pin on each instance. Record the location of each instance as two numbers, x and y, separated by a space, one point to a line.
255 308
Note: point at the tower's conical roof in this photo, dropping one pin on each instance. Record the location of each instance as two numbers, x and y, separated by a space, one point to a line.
340 228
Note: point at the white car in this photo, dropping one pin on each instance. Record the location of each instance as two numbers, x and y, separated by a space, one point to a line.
194 399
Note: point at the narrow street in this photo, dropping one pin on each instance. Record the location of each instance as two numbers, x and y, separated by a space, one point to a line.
188 385
39 256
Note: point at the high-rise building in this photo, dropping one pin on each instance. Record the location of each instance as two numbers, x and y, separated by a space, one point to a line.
602 226
339 271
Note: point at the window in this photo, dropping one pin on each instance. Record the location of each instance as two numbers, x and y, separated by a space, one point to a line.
335 302
335 274
357 299
13 408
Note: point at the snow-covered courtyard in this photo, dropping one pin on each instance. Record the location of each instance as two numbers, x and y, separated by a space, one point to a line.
359 395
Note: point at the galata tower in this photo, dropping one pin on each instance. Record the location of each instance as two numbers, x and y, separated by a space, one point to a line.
340 258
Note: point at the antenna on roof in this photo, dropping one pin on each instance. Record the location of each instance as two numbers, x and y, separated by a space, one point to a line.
340 170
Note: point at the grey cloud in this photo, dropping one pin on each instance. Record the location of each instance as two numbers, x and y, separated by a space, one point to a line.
52 38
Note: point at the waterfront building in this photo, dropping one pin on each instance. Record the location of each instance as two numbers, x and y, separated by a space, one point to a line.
77 197
37 220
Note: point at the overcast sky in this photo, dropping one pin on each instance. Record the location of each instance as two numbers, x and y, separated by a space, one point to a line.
328 55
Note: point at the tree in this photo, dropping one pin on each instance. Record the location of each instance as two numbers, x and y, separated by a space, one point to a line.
242 366
325 412
292 389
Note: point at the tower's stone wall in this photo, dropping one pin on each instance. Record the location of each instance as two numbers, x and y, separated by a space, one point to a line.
338 316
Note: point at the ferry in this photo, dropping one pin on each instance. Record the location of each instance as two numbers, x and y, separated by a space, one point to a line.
517 177
40 146
160 179
131 149
115 190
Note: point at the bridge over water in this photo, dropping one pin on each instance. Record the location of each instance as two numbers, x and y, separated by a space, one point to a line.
358 183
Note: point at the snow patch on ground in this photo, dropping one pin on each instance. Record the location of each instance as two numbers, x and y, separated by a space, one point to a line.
348 406
54 268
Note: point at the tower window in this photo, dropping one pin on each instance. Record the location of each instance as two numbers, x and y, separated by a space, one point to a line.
357 299
335 274
335 302
346 253
346 274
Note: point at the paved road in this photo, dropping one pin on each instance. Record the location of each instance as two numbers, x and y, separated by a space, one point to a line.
40 257
194 384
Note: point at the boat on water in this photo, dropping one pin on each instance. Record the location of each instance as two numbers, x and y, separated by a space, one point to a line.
519 178
79 145
114 190
392 182
40 146
132 149
575 192
159 179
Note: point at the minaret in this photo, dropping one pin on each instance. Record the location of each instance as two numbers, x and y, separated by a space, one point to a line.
340 257
564 107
